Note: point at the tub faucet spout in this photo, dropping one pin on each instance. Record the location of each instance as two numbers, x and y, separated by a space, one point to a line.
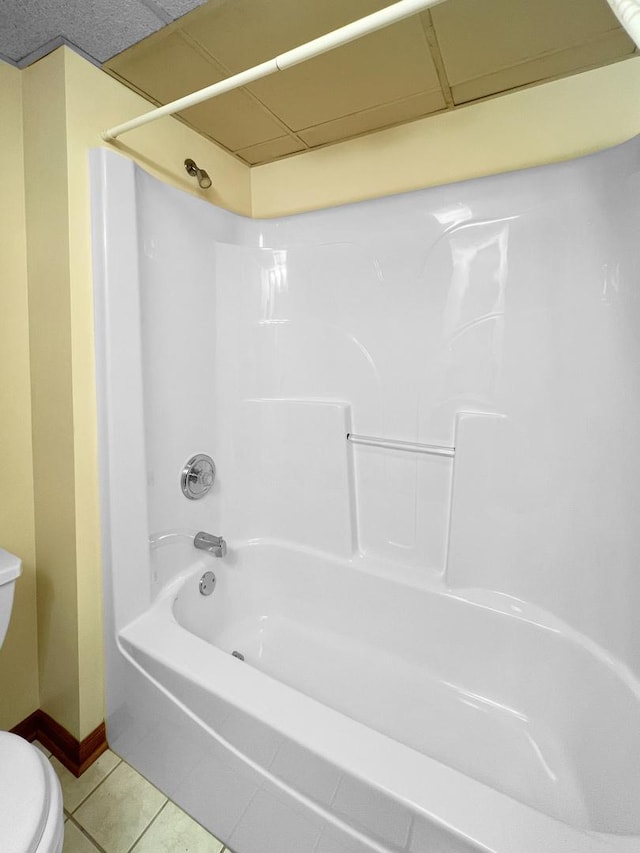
212 544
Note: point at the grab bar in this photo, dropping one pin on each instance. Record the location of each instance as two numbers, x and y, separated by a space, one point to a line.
410 446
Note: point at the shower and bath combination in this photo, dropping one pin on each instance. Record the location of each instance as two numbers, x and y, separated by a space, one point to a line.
431 581
423 577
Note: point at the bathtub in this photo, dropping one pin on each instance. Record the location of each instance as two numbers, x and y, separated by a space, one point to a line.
386 718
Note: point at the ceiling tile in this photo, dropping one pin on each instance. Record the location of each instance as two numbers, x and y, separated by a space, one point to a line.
176 8
480 38
386 66
165 67
374 119
24 27
168 67
104 29
267 151
600 52
234 120
100 29
242 33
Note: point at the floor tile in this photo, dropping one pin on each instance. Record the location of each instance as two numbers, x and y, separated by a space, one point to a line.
42 748
119 811
74 791
173 831
75 841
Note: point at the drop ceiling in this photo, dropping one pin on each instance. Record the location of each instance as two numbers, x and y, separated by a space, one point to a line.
458 52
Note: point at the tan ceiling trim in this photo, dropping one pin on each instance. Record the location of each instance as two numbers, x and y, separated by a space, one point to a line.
436 55
196 45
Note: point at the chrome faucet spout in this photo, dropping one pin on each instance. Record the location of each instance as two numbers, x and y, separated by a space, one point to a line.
211 544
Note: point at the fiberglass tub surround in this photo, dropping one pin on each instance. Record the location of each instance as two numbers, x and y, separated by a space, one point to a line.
440 652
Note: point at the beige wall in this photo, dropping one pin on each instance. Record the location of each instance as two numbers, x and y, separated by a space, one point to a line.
542 124
51 391
18 656
66 103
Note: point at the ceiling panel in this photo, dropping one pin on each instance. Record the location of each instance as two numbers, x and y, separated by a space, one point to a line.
235 120
479 38
599 52
168 67
267 151
374 119
458 52
386 66
242 33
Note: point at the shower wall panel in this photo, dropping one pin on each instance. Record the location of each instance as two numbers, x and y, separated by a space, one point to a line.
515 297
177 284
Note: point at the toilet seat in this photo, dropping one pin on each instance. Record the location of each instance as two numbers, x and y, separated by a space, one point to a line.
31 817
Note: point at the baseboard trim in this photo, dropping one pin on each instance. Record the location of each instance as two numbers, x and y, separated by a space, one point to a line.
75 755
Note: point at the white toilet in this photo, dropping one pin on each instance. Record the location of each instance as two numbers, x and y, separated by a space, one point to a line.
31 817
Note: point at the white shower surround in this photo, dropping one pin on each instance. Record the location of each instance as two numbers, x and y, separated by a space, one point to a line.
441 655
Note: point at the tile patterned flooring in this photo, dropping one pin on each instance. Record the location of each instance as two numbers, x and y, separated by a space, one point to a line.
111 808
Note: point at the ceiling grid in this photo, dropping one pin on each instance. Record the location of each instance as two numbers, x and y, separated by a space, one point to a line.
454 54
295 139
432 41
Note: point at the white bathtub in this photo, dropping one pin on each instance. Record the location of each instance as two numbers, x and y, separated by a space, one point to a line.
391 717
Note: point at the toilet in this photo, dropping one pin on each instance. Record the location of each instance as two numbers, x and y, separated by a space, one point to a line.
31 817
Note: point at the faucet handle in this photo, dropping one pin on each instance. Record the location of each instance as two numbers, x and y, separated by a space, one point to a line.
198 476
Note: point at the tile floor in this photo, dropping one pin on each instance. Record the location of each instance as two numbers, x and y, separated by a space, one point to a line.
113 809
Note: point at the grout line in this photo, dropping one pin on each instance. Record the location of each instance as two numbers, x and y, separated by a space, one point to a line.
149 825
69 816
87 835
93 790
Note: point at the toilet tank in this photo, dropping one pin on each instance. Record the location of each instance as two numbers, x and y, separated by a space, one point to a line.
10 567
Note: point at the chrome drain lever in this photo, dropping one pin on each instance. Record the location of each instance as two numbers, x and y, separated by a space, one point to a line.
207 583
